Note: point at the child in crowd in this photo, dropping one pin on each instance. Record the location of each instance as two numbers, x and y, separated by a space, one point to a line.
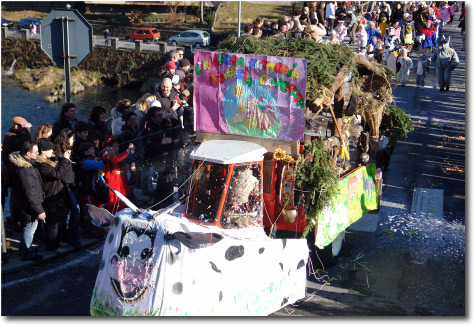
421 71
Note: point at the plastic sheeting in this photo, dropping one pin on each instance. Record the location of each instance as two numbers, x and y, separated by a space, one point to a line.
169 266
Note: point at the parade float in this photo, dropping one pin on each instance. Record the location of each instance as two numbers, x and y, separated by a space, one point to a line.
275 173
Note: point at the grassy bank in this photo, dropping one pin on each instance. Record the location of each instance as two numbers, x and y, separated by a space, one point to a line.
228 15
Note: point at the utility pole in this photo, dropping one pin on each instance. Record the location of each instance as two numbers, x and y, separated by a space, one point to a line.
202 12
240 8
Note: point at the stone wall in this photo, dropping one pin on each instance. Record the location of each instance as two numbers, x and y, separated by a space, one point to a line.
116 67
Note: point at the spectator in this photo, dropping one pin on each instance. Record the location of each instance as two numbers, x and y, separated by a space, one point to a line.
330 15
257 32
397 13
43 131
97 124
421 71
321 12
444 59
159 151
142 106
341 12
56 197
67 119
170 70
383 14
81 134
14 138
313 13
88 174
116 177
174 56
106 37
248 30
184 69
258 22
180 56
131 134
352 23
302 18
166 95
63 144
12 142
183 162
122 107
28 192
282 29
405 66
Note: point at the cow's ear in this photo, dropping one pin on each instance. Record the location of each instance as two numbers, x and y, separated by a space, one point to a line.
100 217
195 241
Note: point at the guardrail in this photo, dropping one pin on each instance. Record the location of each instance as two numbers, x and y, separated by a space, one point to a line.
115 42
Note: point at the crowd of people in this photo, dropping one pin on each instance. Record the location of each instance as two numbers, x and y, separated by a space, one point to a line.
377 29
54 173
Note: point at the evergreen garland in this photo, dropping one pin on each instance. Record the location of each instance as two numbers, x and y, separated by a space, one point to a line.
316 178
324 61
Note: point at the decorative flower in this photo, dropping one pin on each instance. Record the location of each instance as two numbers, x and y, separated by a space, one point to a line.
279 154
288 159
204 140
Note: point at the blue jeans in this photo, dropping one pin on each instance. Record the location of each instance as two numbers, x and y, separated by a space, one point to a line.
74 218
26 250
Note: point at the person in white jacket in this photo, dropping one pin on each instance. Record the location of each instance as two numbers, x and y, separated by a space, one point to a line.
330 15
123 107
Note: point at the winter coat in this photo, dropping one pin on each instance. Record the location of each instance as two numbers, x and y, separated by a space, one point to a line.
89 174
430 40
445 13
12 142
27 188
330 11
361 38
100 129
61 124
446 58
117 122
132 135
70 174
371 33
56 197
397 14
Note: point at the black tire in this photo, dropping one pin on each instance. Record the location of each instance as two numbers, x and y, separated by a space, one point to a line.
327 257
197 45
174 43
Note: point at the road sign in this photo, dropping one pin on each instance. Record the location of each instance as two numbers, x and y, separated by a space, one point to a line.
67 39
66 34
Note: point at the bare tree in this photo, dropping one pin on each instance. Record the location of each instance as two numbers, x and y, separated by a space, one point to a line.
172 7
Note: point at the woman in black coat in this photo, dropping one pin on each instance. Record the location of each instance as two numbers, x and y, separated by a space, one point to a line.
56 196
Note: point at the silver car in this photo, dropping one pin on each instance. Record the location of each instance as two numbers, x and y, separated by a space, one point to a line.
196 38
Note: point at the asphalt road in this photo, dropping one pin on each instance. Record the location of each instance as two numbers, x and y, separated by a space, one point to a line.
412 265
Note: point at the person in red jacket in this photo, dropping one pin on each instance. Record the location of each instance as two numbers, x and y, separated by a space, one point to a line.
116 177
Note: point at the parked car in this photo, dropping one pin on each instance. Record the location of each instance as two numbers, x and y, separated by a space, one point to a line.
7 23
146 34
197 38
25 23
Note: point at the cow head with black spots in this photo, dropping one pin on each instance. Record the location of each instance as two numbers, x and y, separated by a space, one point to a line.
131 266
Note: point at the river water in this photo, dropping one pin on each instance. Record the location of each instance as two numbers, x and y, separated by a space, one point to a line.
16 101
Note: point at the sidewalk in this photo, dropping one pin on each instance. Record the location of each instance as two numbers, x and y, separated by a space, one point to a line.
14 263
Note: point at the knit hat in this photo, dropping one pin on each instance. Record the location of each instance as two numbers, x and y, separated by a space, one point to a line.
155 103
171 65
175 80
184 62
44 145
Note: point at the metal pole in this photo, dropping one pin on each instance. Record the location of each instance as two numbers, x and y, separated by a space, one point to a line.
240 8
67 68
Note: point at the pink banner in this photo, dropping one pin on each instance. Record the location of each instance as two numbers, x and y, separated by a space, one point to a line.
252 95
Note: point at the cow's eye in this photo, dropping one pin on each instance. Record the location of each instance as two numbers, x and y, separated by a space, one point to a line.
125 251
145 253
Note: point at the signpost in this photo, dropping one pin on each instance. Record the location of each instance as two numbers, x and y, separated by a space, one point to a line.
66 37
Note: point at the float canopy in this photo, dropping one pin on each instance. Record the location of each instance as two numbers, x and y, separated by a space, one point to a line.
228 152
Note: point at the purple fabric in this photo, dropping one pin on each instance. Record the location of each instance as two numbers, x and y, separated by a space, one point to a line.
253 95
